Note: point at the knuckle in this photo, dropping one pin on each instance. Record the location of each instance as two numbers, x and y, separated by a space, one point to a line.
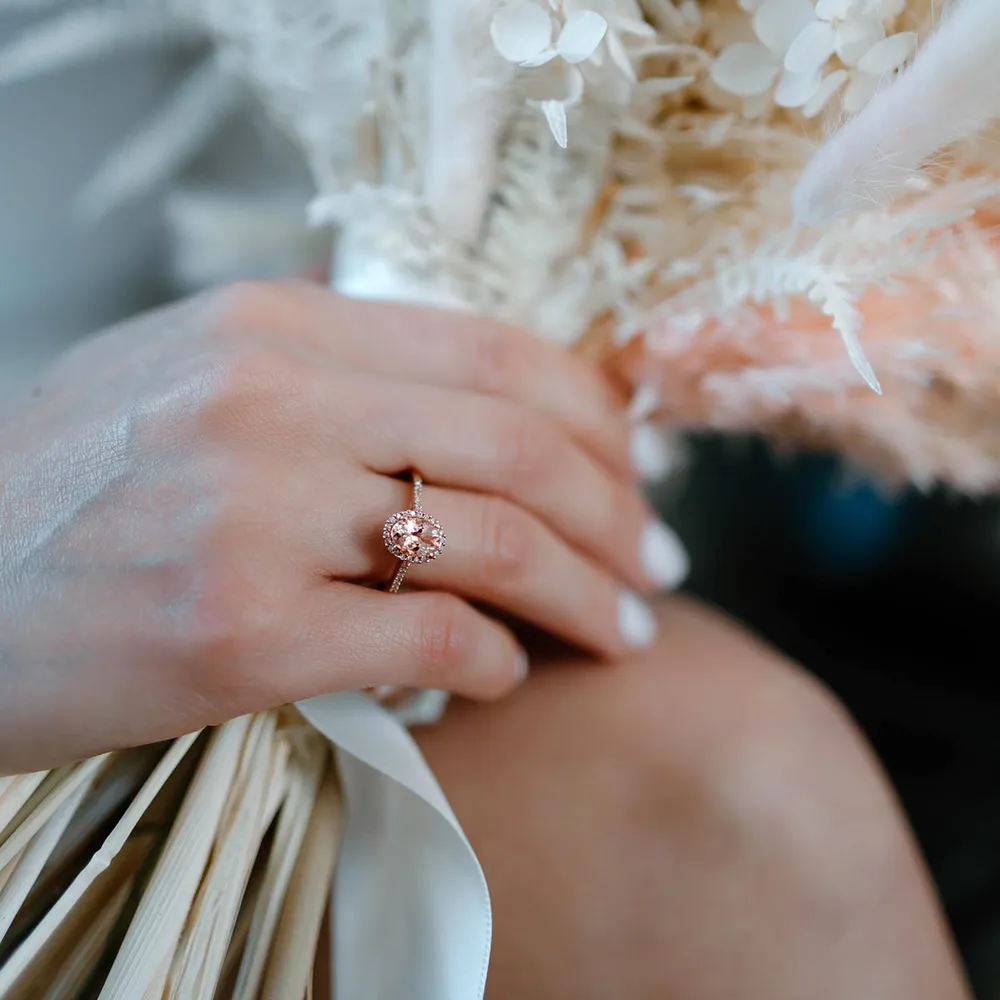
620 515
214 609
248 368
495 357
228 622
241 386
794 738
242 306
253 387
527 451
442 640
506 540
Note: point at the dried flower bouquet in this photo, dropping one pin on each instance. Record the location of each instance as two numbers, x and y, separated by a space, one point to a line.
637 178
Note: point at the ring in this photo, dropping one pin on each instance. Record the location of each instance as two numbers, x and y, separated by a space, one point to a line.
412 536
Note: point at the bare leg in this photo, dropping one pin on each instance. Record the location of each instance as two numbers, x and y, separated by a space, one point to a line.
701 822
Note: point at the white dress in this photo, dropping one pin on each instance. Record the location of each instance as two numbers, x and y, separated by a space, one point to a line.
411 909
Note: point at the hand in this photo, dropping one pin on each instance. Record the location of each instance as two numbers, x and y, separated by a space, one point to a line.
191 501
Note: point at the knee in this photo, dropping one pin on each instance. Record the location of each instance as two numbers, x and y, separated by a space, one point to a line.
735 750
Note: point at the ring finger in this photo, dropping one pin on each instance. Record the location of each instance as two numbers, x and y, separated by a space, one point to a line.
491 446
499 554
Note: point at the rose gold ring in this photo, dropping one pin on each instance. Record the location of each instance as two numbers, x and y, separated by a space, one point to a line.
412 536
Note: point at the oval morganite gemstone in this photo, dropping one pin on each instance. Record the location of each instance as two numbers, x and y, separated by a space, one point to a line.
415 537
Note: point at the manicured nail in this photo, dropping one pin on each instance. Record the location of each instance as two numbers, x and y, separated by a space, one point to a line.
663 555
651 454
644 403
636 621
522 666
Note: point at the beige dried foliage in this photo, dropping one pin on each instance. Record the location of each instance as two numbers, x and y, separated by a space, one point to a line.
197 880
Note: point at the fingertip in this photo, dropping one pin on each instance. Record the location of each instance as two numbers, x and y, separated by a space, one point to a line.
644 403
637 624
651 454
505 678
522 666
664 558
459 649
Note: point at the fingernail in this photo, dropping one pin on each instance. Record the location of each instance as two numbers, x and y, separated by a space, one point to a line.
636 621
663 556
522 666
651 455
644 402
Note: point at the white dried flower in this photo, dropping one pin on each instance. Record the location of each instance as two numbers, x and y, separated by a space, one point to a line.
532 37
528 35
796 43
622 23
557 91
854 31
880 63
751 69
838 28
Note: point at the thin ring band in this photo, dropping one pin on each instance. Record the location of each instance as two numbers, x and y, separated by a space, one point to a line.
412 536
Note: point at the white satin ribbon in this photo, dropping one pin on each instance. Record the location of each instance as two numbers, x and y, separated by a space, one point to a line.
359 274
411 910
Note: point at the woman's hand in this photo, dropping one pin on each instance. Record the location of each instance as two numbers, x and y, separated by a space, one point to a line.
190 502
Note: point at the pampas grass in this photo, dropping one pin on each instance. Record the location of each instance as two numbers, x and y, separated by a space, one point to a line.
951 92
196 870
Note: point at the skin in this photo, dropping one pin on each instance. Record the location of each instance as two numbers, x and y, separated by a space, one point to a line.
700 821
192 508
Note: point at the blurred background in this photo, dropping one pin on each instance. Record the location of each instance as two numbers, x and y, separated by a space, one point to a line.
891 600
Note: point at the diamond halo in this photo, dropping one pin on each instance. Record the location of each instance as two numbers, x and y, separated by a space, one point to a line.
414 537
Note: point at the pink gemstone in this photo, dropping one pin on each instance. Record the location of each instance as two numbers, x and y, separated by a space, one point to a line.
416 537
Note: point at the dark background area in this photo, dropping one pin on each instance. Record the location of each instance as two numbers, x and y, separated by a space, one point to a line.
893 601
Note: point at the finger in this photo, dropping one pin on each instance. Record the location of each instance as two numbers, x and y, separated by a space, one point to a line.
455 350
350 638
486 357
498 554
485 445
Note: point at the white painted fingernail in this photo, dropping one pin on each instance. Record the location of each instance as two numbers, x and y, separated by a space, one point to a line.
522 666
652 457
644 402
636 621
663 555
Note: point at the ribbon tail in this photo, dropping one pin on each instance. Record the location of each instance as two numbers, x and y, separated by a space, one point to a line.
411 909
